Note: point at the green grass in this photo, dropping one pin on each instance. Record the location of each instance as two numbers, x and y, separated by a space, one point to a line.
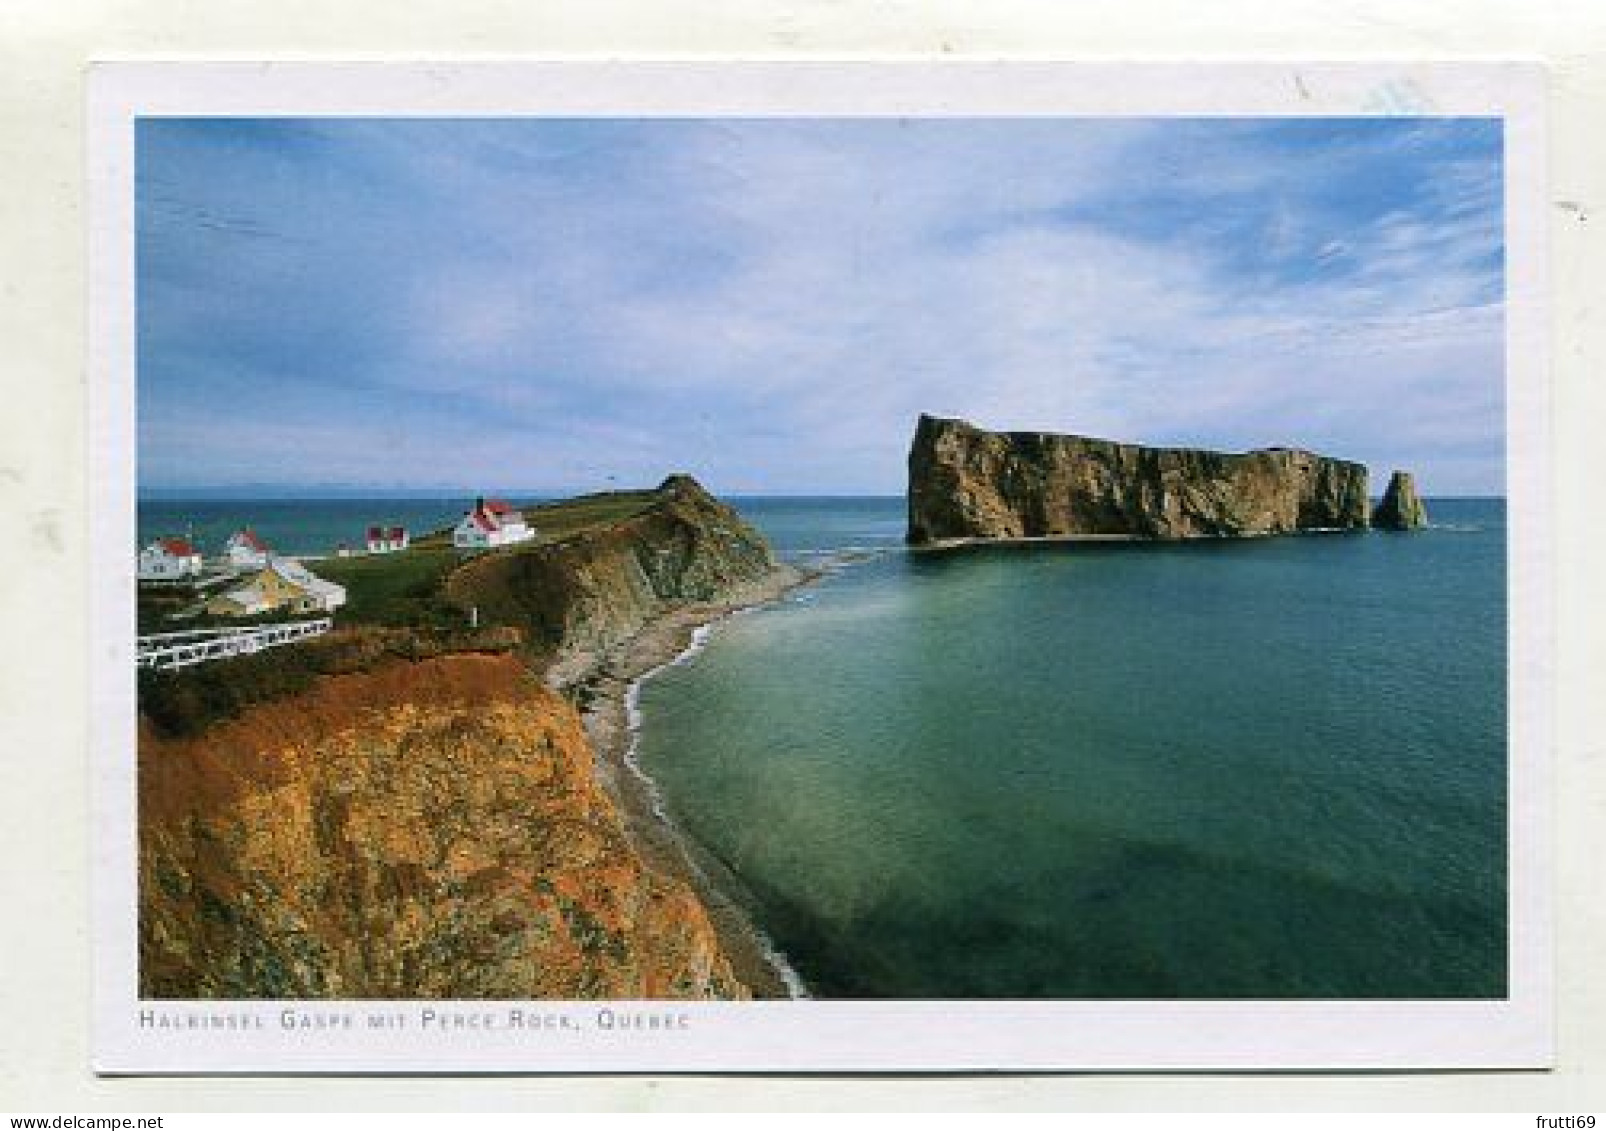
554 522
564 518
185 701
155 606
406 588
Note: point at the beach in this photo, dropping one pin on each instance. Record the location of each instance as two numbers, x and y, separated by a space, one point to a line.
605 685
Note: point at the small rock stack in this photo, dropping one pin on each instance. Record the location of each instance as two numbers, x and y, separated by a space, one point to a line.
1401 508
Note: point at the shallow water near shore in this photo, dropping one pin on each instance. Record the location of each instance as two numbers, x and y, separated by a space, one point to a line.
1270 768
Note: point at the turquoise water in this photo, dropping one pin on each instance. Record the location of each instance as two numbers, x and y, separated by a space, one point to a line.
1269 768
1227 769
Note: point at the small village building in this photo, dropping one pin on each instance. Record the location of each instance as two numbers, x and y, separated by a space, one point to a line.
492 522
245 550
169 559
315 593
387 539
241 601
282 584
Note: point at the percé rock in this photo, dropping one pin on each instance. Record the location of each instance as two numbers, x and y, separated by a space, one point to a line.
969 483
429 829
1401 508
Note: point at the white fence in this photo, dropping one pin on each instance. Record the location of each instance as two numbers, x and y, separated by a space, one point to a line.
181 649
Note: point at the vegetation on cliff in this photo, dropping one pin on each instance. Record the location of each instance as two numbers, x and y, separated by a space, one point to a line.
602 566
186 701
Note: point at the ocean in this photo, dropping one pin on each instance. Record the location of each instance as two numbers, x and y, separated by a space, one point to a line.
1238 769
302 527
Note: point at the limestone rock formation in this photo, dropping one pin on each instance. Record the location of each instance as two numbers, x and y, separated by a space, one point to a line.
1401 507
968 483
419 829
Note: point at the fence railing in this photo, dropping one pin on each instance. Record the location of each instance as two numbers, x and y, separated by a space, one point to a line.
197 646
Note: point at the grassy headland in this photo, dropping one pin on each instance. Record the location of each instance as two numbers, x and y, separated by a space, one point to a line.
586 567
413 805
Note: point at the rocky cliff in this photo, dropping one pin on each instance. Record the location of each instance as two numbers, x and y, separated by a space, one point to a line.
425 828
580 596
968 483
1401 507
395 812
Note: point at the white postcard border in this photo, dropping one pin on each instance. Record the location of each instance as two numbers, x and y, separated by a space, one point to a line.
132 1036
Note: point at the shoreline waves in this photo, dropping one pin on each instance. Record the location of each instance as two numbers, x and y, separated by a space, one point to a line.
609 692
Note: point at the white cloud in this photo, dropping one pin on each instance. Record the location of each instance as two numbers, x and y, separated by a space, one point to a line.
770 305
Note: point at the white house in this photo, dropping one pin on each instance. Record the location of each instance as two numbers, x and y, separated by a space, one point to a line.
492 522
169 559
282 583
317 594
387 540
245 550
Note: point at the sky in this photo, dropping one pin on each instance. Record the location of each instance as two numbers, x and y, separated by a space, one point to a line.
550 305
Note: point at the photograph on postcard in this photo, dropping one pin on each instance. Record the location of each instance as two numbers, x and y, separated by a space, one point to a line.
459 440
729 558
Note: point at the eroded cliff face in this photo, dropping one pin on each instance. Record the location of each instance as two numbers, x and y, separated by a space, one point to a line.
576 598
412 813
968 483
427 828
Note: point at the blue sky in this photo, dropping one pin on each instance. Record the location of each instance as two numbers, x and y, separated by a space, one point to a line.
572 305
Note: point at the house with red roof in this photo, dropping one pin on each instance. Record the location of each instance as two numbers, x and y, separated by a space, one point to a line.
491 522
387 539
169 559
246 550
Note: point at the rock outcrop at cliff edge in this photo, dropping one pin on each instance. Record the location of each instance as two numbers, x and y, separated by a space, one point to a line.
428 829
576 598
969 483
1401 507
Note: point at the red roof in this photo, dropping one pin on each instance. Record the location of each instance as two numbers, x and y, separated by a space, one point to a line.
178 547
249 537
498 507
375 533
483 520
397 533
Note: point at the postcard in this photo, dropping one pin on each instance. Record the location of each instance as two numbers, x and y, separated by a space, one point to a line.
819 568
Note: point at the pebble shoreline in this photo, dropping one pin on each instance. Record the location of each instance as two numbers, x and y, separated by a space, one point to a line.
606 682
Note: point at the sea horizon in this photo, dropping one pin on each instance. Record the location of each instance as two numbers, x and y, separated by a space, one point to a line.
290 494
319 524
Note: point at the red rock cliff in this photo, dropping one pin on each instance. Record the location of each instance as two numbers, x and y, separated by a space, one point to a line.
427 828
